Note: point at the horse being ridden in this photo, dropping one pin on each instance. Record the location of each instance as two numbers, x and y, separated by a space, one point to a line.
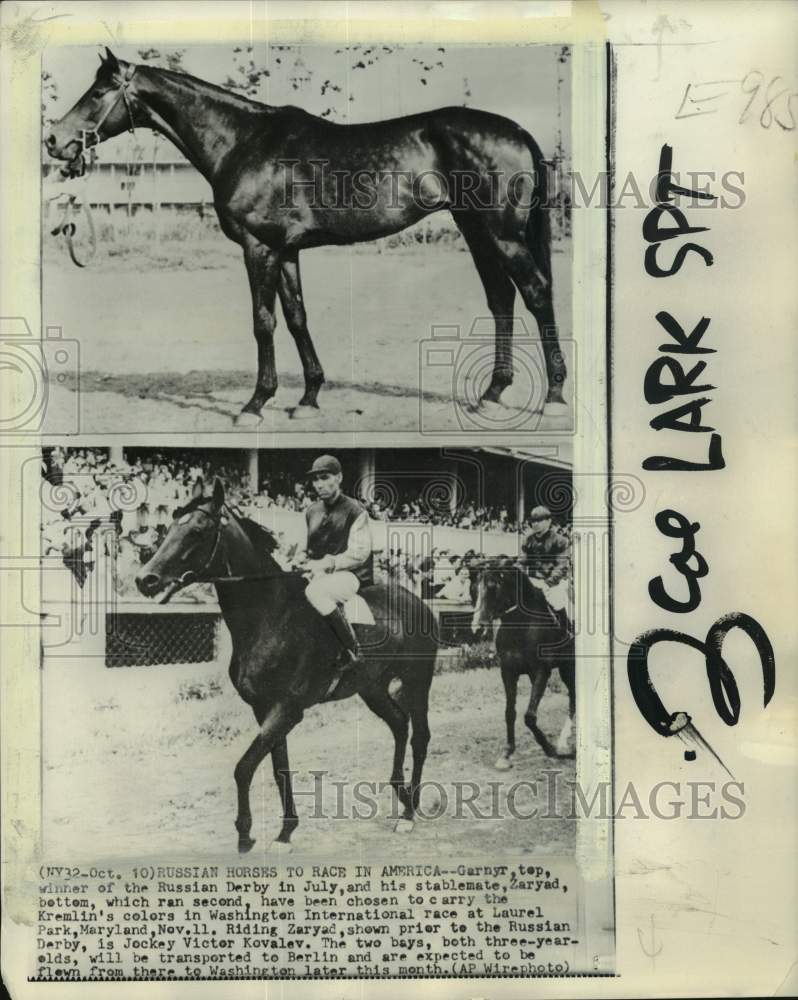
530 640
282 651
283 181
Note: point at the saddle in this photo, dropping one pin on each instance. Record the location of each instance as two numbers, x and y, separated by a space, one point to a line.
357 612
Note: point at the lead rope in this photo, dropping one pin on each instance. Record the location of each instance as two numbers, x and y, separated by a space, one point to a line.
83 252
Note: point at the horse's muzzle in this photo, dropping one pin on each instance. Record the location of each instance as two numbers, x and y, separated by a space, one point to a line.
69 151
149 584
152 585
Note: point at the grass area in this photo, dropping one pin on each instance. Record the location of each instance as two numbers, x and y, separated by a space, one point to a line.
191 242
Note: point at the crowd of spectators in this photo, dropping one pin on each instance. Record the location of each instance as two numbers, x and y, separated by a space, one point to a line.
82 483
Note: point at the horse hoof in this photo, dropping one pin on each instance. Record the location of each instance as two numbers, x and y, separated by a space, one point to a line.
304 412
489 410
245 845
247 419
281 847
503 763
555 410
404 826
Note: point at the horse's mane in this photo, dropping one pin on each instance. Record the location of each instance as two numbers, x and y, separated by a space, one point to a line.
180 76
194 504
531 598
516 583
262 539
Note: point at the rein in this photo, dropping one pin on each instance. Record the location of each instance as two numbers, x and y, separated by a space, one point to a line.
69 230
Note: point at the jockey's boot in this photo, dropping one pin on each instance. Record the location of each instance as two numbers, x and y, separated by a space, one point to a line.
565 623
347 638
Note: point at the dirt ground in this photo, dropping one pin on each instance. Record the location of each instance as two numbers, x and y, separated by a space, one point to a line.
139 762
165 350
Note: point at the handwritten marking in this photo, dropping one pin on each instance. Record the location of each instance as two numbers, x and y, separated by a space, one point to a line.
656 948
701 99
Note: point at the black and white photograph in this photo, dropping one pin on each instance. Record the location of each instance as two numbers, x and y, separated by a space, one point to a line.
363 621
308 238
273 647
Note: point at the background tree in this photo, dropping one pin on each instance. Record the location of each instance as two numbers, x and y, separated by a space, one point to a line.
49 96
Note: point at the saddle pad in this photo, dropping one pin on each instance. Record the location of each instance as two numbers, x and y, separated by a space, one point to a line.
358 612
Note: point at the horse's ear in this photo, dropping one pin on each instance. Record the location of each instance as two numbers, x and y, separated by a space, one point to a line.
198 487
218 494
111 61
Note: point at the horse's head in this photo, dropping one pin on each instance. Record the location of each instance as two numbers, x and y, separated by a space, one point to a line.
205 542
495 592
105 110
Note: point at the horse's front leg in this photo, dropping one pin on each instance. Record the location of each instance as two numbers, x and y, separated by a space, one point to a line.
275 724
510 680
290 291
263 269
540 678
282 775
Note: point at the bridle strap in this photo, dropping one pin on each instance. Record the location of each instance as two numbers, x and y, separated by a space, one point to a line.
217 543
122 91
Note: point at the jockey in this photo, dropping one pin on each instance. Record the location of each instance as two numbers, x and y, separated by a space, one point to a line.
339 550
547 557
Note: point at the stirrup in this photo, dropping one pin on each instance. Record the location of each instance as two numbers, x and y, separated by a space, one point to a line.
345 664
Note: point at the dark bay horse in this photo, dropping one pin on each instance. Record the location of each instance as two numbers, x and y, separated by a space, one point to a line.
283 650
531 641
284 180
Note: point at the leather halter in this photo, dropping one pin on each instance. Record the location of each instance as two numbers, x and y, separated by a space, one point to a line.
93 134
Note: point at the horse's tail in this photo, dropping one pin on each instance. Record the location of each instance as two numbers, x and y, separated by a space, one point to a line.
538 227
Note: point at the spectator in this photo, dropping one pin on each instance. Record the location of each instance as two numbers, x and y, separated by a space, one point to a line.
458 588
165 480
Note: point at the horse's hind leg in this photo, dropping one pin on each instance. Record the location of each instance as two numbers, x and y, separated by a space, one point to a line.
290 291
510 681
500 293
263 269
419 741
383 705
540 678
536 292
275 725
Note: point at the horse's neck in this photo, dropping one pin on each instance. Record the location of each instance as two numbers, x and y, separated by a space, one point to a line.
528 597
259 602
203 121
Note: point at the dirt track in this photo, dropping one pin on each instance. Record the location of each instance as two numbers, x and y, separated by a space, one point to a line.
134 767
170 350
